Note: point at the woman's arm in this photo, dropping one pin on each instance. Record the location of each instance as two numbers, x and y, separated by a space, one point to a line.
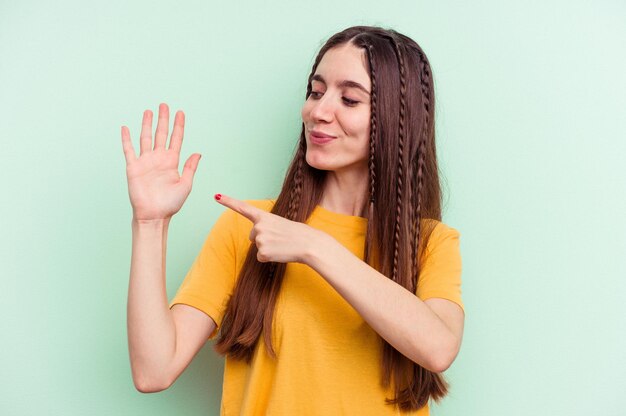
428 332
161 342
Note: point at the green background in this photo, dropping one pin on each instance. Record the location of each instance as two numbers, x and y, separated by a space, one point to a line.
530 118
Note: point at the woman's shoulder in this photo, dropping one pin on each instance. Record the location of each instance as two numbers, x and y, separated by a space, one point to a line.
438 226
442 242
438 232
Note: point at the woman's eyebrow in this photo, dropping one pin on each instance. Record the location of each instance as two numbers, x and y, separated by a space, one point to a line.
343 84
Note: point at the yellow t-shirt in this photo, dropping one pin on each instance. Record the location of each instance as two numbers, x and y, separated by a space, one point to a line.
328 358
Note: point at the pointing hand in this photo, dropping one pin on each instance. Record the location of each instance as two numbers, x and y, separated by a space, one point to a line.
276 238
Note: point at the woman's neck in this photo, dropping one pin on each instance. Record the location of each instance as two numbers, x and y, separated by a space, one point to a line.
345 193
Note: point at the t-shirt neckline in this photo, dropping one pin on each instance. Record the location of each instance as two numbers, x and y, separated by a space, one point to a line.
344 220
336 218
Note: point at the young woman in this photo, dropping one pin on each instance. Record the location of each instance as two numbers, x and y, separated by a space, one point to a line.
340 296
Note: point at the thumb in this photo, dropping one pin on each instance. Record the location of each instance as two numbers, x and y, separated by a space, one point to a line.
189 169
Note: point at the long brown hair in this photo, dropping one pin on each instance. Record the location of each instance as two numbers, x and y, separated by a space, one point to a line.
404 189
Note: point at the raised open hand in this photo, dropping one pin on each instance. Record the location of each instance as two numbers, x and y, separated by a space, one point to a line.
155 188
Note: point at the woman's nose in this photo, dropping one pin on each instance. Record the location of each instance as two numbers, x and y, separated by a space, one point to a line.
322 109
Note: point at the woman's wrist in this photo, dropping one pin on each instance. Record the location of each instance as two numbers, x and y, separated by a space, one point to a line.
319 244
150 223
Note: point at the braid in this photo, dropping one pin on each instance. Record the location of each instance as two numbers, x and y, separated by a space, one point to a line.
296 190
414 218
399 188
374 127
417 212
425 81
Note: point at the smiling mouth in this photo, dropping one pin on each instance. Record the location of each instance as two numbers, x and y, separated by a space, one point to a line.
320 140
320 135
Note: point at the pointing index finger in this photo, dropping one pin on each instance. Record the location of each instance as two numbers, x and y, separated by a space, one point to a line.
249 211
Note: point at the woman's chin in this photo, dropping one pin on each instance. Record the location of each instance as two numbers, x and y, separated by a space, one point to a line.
319 163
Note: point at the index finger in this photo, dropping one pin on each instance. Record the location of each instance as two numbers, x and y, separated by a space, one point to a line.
249 211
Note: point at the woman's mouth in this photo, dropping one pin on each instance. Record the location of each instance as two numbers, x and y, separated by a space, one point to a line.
318 137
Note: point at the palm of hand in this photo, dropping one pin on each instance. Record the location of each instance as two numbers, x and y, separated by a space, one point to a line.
154 183
155 188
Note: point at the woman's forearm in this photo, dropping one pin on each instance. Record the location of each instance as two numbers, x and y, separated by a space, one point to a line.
151 328
396 314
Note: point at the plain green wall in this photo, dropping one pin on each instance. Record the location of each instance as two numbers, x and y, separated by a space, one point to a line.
530 117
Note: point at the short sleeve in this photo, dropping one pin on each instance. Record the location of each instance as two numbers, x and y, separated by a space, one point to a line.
440 275
209 282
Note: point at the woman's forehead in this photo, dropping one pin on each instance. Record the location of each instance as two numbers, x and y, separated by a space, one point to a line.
343 63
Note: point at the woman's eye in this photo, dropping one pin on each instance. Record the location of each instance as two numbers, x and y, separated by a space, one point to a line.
316 95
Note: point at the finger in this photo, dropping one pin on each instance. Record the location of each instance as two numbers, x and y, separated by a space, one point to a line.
252 213
176 142
127 145
145 139
189 169
252 235
160 137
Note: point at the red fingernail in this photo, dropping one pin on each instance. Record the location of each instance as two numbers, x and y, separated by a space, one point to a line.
218 196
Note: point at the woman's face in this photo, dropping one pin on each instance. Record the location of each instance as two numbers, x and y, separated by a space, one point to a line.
339 106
